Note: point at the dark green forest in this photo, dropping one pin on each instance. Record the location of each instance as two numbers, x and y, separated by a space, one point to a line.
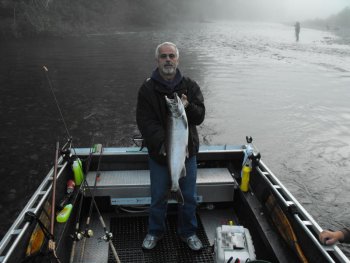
23 18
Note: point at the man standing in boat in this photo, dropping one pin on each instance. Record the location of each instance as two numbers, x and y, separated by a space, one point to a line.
151 117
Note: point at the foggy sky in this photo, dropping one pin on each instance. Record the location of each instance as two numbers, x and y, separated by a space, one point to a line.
310 9
276 10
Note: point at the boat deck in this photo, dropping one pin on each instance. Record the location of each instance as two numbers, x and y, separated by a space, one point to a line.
129 232
132 188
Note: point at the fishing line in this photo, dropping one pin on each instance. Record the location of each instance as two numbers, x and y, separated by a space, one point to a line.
56 101
59 110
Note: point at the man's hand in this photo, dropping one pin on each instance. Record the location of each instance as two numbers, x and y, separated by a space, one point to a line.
329 237
184 100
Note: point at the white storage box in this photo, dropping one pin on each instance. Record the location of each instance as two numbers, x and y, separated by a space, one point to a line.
235 242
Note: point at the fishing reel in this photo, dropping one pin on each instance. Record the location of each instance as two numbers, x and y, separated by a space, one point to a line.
79 235
107 237
252 152
88 233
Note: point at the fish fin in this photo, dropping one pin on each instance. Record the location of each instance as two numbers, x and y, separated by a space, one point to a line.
185 122
183 172
179 197
162 150
176 196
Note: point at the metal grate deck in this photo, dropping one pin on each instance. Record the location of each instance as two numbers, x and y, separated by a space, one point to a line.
129 232
94 250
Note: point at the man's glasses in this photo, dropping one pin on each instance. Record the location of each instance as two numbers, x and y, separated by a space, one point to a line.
171 56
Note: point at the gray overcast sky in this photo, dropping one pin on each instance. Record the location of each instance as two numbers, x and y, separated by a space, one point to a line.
277 10
308 9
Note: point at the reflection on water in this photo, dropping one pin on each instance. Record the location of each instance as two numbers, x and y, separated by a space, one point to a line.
291 97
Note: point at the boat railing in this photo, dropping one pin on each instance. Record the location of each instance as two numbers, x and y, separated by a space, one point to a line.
305 220
20 226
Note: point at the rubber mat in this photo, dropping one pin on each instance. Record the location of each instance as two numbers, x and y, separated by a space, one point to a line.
128 235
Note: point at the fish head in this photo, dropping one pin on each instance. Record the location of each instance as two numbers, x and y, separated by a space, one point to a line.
175 105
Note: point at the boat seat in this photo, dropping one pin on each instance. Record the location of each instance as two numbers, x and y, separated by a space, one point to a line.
130 187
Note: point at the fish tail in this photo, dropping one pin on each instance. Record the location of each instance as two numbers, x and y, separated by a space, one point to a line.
179 197
176 195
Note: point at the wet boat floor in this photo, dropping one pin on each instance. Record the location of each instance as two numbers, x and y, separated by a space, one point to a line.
129 232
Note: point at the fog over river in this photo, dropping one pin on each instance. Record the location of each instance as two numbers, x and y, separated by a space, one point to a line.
291 97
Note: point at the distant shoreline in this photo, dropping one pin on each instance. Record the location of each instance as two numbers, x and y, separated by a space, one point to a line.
8 31
342 33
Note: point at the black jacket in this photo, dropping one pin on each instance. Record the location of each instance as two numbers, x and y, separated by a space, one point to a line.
152 112
346 232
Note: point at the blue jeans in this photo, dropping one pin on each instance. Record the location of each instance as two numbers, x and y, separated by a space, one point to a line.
160 187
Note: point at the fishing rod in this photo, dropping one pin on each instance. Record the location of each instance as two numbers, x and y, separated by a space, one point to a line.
108 235
87 230
52 244
78 234
53 204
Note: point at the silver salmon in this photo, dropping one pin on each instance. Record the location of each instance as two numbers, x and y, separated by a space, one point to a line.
176 143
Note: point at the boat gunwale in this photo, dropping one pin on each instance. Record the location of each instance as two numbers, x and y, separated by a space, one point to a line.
316 227
29 208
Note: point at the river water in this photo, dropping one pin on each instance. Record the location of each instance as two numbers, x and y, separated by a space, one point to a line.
291 97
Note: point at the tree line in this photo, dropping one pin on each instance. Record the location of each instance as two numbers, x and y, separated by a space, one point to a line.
23 18
28 18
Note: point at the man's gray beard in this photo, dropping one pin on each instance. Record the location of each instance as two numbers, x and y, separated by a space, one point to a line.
169 71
